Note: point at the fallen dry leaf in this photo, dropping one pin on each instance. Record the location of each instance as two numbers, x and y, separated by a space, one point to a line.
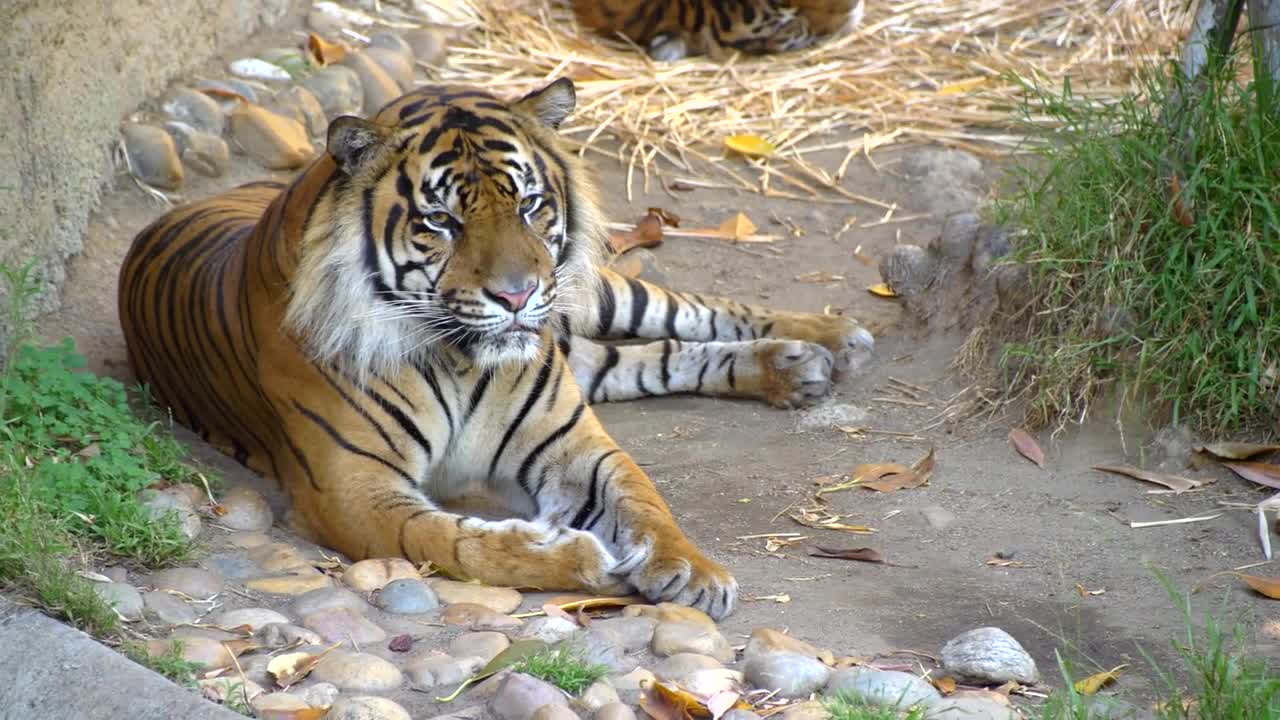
739 227
945 684
240 646
1269 586
551 610
311 713
1026 446
592 603
324 52
515 652
821 518
862 554
664 703
627 265
818 276
1097 681
1176 483
289 668
1086 592
646 234
882 290
1180 211
400 643
1257 472
750 145
722 702
666 216
1005 562
1236 450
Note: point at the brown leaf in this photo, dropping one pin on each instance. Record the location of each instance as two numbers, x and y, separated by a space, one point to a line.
1257 472
1097 681
646 234
862 554
401 643
905 479
1236 450
1269 586
945 684
678 186
627 265
311 713
738 227
1180 211
240 646
664 703
1026 446
324 52
1176 483
592 603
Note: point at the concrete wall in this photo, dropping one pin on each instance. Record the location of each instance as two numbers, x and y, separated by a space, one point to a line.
70 71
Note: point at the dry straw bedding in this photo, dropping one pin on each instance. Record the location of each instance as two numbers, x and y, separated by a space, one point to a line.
911 71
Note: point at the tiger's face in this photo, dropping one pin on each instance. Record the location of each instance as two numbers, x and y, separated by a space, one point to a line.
475 229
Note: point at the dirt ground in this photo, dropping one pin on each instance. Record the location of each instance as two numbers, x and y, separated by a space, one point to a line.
731 468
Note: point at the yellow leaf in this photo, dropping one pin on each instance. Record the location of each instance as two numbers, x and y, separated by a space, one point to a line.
289 668
325 52
960 86
738 227
750 145
1268 586
1097 681
945 684
882 290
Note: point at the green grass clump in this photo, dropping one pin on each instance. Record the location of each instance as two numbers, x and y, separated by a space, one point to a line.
170 664
1170 301
563 667
847 707
74 456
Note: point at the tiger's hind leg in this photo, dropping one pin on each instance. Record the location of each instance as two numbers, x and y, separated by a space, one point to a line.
783 373
630 308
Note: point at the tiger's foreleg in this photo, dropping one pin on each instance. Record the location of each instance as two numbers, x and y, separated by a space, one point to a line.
590 485
630 308
783 373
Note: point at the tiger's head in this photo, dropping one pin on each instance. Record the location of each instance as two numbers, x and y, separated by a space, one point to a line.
451 219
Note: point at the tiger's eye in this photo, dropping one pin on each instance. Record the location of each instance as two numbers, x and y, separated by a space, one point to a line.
439 218
528 203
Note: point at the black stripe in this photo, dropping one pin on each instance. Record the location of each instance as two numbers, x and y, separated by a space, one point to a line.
535 392
477 393
527 466
580 519
608 309
639 303
345 444
610 362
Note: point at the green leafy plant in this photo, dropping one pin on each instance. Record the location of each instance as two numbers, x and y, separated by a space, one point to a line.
1152 241
563 667
171 664
847 707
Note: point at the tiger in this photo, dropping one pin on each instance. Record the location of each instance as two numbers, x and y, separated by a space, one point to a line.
671 30
417 317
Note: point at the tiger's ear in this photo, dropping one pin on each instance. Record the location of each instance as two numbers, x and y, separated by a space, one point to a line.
354 141
550 105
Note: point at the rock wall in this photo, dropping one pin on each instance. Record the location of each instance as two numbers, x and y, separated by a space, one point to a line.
72 71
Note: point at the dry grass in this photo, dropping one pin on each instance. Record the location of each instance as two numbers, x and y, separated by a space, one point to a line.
912 71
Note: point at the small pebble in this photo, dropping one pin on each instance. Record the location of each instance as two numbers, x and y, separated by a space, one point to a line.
520 695
484 645
280 558
325 598
550 630
631 633
167 609
477 617
274 141
195 109
938 517
739 715
670 612
398 67
300 104
244 508
206 154
676 668
407 596
430 671
116 574
391 42
709 681
891 688
320 695
989 654
616 711
430 45
255 668
502 600
670 638
379 87
225 90
258 69
554 711
806 711
290 584
274 705
338 90
255 618
278 635
599 649
153 158
599 694
790 674
374 573
248 540
124 599
358 671
366 707
341 624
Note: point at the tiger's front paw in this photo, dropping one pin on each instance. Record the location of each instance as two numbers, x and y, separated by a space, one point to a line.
796 373
848 342
681 574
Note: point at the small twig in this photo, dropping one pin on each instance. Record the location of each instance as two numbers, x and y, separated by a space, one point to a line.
1179 521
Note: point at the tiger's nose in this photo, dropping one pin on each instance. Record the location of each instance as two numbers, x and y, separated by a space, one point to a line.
512 300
